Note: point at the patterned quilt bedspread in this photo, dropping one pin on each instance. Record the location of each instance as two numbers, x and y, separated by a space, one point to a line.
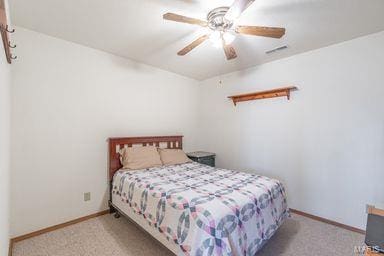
205 210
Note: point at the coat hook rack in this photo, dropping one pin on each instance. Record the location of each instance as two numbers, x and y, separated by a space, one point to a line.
11 46
5 30
9 31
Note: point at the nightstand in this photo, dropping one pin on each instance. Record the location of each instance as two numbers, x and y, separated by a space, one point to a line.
375 230
203 157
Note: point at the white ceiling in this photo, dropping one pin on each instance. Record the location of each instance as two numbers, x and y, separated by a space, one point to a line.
135 28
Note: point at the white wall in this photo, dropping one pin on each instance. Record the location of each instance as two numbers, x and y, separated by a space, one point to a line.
326 144
67 100
5 83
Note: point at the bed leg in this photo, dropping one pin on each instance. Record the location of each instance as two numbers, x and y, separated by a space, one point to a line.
111 208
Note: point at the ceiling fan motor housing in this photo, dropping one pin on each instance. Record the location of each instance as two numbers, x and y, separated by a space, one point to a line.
216 20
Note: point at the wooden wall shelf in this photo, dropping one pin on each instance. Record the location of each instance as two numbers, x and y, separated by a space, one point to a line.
4 29
280 92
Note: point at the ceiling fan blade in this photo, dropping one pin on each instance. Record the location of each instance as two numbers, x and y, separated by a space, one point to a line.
261 31
237 9
193 45
184 19
230 52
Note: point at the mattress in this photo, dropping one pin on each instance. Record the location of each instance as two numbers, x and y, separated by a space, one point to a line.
195 209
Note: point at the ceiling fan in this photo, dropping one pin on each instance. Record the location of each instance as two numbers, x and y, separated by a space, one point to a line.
220 21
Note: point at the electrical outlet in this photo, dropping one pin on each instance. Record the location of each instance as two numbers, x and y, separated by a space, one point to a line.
87 196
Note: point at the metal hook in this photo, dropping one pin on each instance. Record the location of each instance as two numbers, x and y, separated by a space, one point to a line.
11 46
13 57
9 31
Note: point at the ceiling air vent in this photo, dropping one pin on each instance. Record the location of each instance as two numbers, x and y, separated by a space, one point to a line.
277 49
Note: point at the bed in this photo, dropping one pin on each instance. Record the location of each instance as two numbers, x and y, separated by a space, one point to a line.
195 209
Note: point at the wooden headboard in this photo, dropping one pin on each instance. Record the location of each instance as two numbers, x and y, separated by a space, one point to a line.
115 144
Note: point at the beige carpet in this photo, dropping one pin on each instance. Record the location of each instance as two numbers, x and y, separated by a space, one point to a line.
107 236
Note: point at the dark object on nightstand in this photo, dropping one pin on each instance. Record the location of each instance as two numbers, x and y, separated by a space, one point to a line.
203 157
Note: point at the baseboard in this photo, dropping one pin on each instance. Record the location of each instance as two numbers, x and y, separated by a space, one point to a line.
331 222
55 227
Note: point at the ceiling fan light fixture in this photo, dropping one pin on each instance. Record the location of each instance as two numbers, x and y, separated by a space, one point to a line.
218 44
228 38
216 39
